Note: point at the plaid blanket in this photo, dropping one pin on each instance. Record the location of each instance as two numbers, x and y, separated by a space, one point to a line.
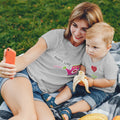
110 108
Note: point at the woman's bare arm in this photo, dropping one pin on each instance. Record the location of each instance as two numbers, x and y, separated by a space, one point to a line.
9 70
32 54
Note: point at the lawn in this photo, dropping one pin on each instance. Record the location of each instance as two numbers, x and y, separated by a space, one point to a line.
22 22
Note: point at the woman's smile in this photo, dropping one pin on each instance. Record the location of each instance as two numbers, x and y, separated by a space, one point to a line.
78 31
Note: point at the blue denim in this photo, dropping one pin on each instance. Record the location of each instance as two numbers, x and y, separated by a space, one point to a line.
94 99
4 115
36 91
5 112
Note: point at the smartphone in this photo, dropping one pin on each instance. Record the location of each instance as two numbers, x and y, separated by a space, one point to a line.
10 56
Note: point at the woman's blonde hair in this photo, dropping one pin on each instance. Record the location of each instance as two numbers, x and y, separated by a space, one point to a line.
87 11
102 30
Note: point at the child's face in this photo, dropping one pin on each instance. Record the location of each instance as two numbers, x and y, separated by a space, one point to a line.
96 48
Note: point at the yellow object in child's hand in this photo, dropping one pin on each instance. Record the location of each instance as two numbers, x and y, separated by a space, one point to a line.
94 116
80 78
116 117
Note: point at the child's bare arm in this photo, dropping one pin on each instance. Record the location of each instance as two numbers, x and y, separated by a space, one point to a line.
102 83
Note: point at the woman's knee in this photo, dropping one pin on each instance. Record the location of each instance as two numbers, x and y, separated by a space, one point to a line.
15 84
18 95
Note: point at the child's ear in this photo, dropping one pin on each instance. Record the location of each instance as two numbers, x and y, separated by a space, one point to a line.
109 46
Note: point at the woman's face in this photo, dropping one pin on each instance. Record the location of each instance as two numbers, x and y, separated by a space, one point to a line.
78 31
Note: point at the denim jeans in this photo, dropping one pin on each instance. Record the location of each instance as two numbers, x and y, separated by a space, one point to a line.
94 99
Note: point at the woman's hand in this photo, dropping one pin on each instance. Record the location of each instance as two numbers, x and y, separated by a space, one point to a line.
7 70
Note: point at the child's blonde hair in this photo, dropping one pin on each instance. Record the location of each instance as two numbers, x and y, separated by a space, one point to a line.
101 29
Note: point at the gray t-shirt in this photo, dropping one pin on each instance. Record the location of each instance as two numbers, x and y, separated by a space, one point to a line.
105 68
58 64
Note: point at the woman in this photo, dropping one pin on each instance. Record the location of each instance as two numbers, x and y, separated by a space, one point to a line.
46 67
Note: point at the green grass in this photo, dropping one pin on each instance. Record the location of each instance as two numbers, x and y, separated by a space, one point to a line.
22 22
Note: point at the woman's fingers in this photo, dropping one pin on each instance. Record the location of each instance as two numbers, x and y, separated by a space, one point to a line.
7 75
6 65
7 70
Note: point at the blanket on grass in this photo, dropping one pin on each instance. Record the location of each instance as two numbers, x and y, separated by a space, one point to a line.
110 108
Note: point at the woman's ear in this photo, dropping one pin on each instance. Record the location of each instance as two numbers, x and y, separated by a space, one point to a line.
109 46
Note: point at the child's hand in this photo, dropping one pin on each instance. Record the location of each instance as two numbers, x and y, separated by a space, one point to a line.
81 83
81 79
90 81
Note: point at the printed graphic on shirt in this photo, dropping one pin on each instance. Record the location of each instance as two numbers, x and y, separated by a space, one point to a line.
93 76
70 71
94 69
73 70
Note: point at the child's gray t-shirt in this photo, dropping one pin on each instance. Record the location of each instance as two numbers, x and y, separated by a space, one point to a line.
58 64
105 68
